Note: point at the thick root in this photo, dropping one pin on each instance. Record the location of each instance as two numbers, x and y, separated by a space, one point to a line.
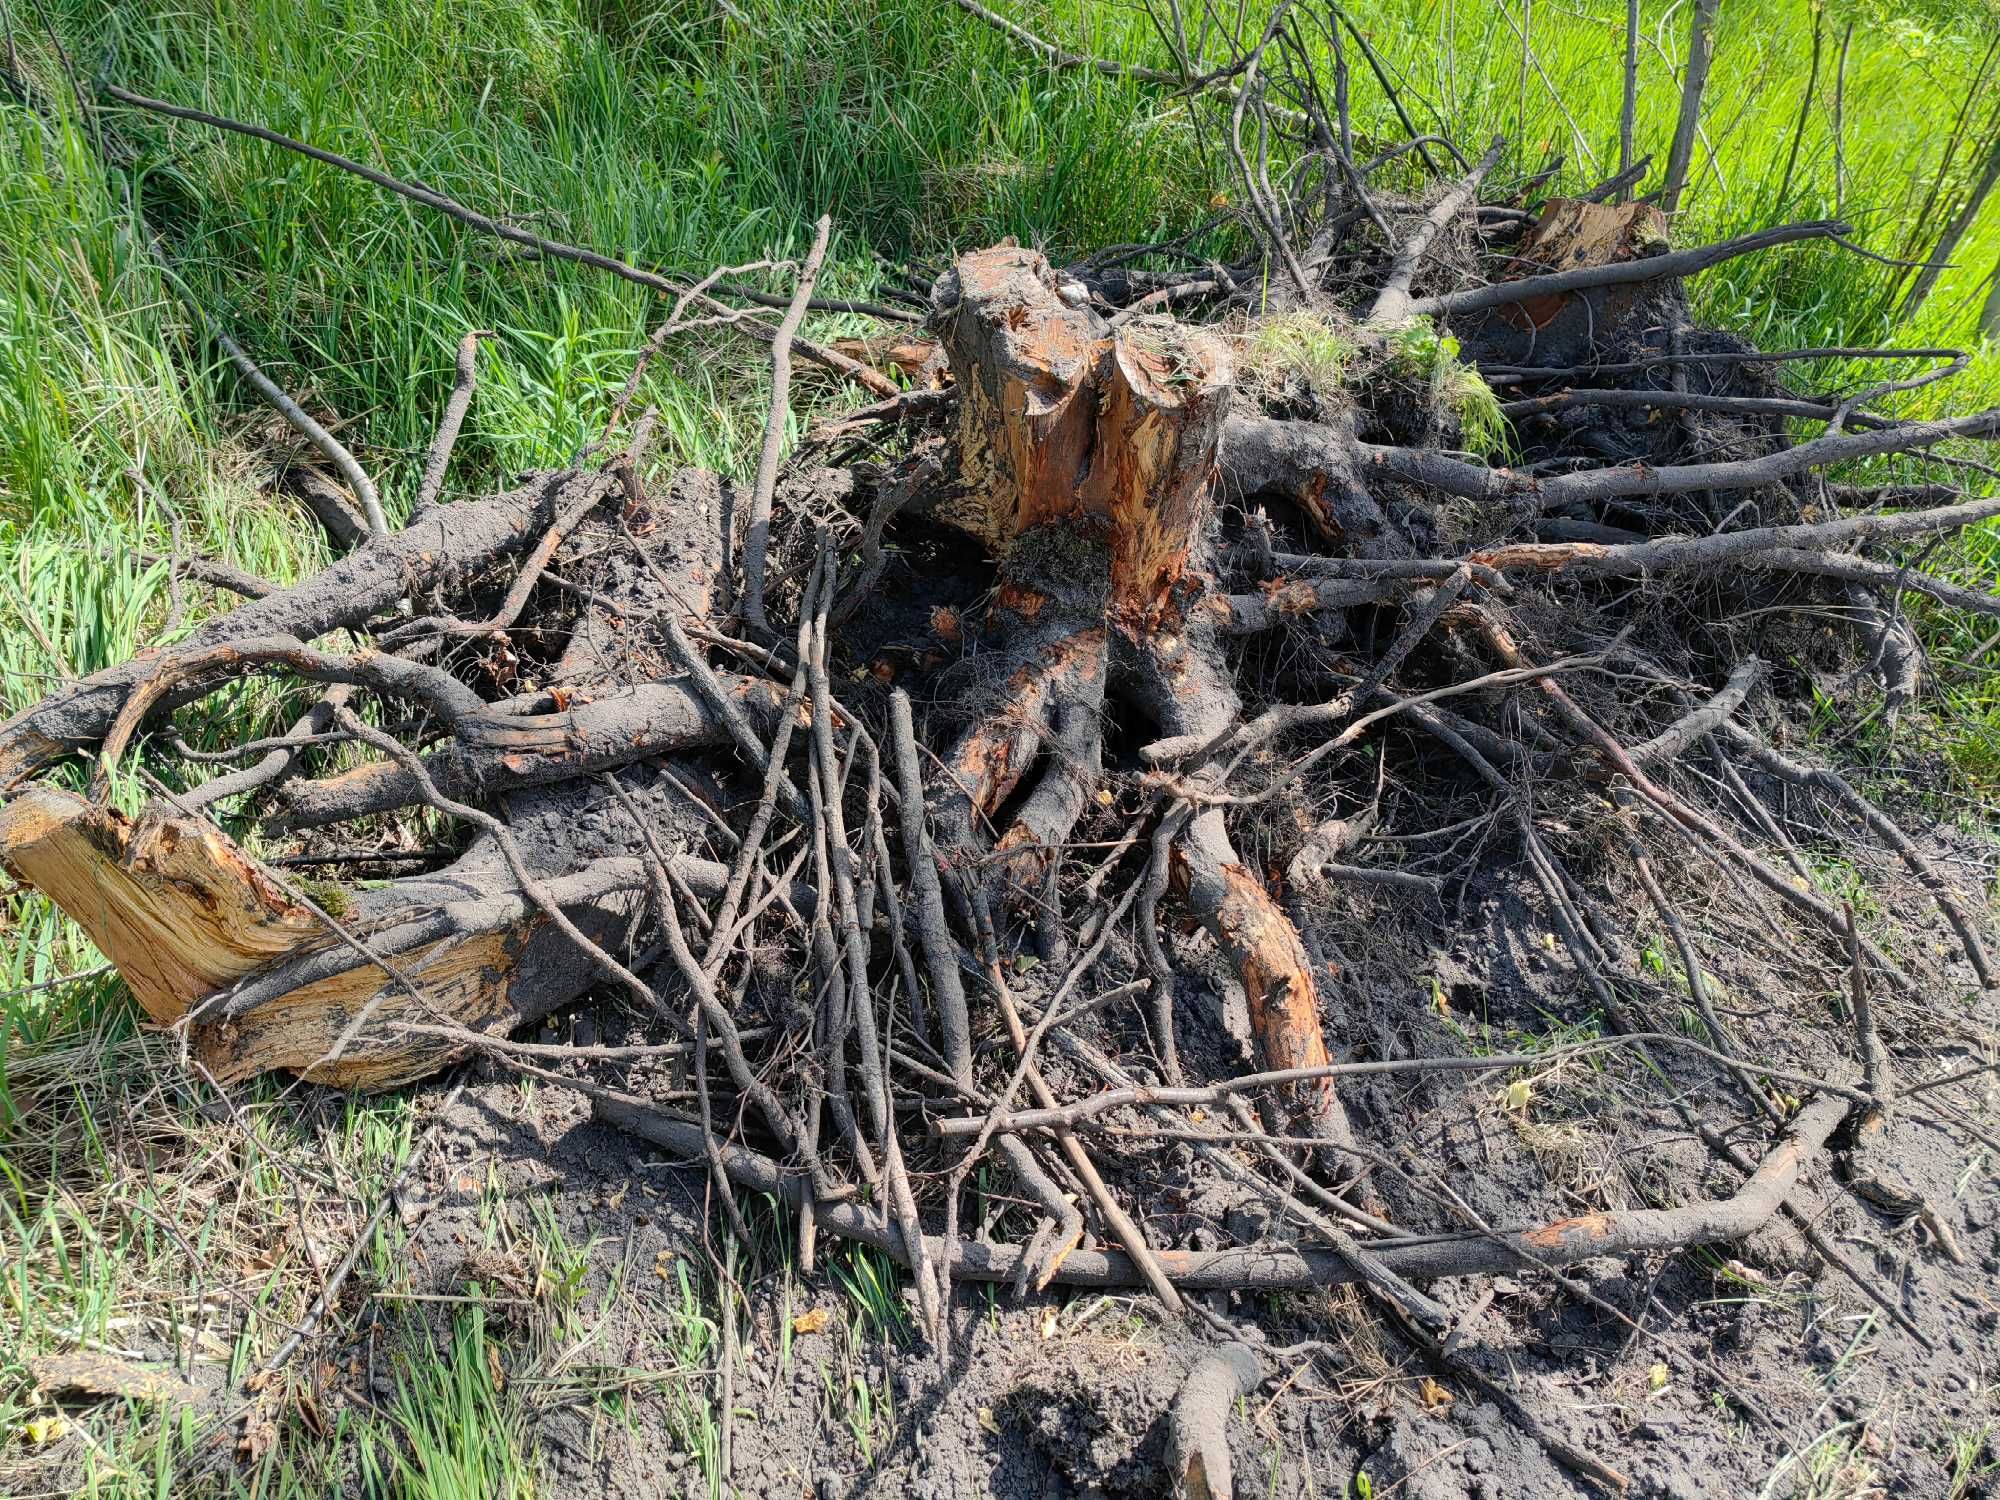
1265 950
1198 1425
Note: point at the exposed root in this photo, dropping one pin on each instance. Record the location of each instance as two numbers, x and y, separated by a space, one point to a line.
1227 685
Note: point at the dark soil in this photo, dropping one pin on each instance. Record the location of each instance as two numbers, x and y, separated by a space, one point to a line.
1066 1394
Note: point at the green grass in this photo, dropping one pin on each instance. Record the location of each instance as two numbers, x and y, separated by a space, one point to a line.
460 1434
677 140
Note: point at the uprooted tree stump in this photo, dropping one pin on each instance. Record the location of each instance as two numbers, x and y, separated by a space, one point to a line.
1100 648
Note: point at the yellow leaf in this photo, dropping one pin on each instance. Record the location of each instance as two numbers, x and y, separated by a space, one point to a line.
1434 1394
1517 1094
1104 797
1656 1378
986 1420
41 1430
812 1322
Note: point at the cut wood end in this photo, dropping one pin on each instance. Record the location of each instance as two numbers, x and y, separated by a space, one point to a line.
1573 233
183 913
172 902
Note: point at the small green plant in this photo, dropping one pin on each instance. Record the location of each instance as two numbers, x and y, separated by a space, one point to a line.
869 1278
459 1437
1302 344
1418 351
329 896
1970 1465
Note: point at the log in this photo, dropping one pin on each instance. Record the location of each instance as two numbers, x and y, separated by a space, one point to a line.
187 916
225 949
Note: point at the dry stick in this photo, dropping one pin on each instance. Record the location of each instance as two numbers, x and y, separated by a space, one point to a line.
1585 486
1389 89
1116 1220
1681 400
1672 742
860 1004
1058 57
854 370
1759 815
439 458
1198 1455
1276 1268
830 1013
1805 107
657 340
1696 978
1267 213
335 451
1820 1244
1588 730
780 1118
1500 372
1881 575
212 571
717 1171
927 898
1619 185
1393 304
1885 828
280 754
1423 619
1629 108
903 1203
713 694
331 1289
1375 1278
1940 257
749 852
757 535
1877 1076
1840 124
1668 554
1530 56
948 997
1160 976
556 1051
1701 52
532 567
440 692
715 697
1675 263
878 841
1504 677
1052 1013
1083 1111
